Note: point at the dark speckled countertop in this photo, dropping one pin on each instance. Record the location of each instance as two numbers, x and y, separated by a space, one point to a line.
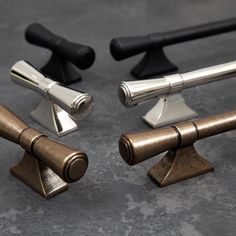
114 198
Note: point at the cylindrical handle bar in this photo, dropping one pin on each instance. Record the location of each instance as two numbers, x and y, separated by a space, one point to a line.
82 56
69 164
140 146
76 103
134 92
122 48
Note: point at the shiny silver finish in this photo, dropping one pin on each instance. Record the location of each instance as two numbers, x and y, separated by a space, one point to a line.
61 108
169 109
135 92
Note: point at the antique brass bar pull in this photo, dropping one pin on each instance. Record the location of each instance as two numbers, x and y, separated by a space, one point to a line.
181 161
171 106
155 62
61 107
47 165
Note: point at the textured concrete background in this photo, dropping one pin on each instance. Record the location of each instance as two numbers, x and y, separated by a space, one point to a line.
114 198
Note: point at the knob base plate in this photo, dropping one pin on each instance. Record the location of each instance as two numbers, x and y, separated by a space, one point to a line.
54 118
169 109
61 70
178 165
153 63
38 176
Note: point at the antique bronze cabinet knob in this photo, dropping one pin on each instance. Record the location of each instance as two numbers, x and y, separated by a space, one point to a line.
155 61
61 107
47 166
171 107
65 54
182 160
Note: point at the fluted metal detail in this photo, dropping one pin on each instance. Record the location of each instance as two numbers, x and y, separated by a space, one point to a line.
134 92
76 103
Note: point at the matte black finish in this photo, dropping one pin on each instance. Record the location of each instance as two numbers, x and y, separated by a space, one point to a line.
114 198
64 54
155 62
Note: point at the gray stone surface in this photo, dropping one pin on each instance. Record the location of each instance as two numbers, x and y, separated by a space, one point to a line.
114 198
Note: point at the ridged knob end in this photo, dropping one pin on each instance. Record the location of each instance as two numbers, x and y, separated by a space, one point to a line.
76 167
85 57
116 50
125 95
82 106
126 150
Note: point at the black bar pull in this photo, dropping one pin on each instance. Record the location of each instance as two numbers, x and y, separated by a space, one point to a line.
155 61
65 54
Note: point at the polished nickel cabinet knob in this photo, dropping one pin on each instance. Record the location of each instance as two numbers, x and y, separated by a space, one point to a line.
182 160
61 107
155 62
47 166
65 54
171 106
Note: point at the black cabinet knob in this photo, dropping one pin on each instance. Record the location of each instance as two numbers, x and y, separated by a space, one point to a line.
64 53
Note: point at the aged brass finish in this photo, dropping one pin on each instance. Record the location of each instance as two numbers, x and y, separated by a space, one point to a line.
178 165
47 166
182 161
38 176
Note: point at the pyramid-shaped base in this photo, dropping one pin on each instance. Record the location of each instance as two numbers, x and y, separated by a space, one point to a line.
178 165
51 116
39 177
61 70
169 109
153 63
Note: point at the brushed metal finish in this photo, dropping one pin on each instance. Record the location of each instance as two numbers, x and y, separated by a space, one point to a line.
132 93
178 165
182 160
69 164
61 100
140 146
38 176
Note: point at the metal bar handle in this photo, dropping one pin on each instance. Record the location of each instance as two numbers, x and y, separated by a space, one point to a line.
140 146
